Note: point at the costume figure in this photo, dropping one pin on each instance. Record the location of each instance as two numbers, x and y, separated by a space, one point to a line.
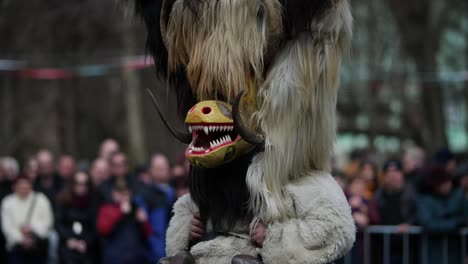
257 83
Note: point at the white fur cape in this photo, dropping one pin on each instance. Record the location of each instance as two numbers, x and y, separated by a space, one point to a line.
319 228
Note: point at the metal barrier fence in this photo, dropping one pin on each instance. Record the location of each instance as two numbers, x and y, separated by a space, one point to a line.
388 231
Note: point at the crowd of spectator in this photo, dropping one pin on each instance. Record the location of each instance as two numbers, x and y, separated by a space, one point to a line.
411 190
58 210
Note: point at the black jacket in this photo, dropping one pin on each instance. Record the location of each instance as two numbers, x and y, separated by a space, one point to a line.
77 219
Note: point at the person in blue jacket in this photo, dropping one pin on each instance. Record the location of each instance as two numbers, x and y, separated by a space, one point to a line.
163 197
442 212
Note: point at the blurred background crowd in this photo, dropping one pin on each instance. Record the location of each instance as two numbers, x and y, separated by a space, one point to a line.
73 73
415 188
56 209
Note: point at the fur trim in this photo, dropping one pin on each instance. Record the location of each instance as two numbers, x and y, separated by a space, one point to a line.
221 250
177 236
320 228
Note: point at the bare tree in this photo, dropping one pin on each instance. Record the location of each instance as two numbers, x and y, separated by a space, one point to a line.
421 25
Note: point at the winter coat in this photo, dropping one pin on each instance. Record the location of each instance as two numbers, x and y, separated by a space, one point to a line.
319 230
49 191
394 208
14 213
125 240
442 216
104 191
76 220
159 213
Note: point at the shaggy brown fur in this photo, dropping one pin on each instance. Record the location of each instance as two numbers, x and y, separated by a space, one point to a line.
223 46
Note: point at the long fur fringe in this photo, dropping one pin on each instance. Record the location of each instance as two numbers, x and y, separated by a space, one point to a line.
222 47
298 111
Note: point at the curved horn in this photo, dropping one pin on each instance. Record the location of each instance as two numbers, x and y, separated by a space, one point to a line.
184 137
245 132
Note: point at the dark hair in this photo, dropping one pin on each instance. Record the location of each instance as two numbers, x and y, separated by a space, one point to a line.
67 194
392 163
221 194
121 186
436 176
299 14
22 177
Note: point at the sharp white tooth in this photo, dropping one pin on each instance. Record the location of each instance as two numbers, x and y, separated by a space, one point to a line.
229 137
211 144
206 130
231 128
210 128
216 143
226 128
226 138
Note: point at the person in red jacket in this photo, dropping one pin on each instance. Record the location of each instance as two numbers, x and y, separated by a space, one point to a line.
125 229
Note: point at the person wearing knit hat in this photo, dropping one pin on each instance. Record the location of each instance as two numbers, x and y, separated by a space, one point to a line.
445 158
441 212
392 164
439 180
394 204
